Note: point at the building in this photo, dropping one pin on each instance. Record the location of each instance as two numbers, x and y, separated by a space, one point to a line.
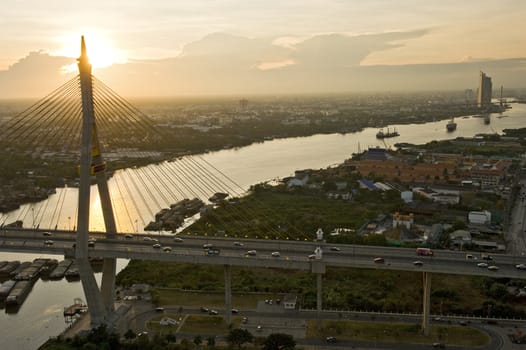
403 220
479 217
484 90
289 301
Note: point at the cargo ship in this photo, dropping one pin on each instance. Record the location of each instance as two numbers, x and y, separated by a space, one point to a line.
451 125
5 288
19 292
61 268
382 135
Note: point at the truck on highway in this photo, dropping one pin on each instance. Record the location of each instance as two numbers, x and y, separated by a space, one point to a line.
424 251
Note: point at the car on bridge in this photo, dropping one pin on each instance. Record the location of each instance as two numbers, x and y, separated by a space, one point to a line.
331 340
238 244
46 234
379 260
208 246
493 268
91 243
48 242
128 236
178 239
418 263
275 254
156 246
335 249
167 249
251 253
520 266
482 264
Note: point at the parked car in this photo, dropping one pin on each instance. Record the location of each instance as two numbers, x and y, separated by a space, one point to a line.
330 339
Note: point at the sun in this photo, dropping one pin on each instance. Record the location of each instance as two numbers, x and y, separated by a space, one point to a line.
101 51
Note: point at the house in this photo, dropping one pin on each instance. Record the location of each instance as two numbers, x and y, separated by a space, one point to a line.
289 301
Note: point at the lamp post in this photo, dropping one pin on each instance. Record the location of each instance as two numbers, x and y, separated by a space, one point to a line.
69 223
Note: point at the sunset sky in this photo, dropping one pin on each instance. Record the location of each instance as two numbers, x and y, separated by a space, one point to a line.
378 32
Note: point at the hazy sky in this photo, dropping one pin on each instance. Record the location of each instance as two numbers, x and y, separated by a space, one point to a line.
456 30
372 32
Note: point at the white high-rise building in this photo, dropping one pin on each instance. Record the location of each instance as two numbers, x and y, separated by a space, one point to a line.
484 90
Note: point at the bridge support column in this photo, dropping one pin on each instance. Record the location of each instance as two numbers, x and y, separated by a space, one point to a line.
319 293
107 287
228 294
426 302
96 308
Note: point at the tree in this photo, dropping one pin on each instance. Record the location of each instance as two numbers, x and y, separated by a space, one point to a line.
279 341
129 334
211 342
237 337
198 340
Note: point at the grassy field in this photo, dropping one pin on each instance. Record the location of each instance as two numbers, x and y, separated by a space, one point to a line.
240 301
396 333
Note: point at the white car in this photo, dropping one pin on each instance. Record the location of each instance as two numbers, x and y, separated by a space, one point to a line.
521 266
482 264
48 242
418 263
238 244
251 252
275 254
167 249
156 246
493 268
178 239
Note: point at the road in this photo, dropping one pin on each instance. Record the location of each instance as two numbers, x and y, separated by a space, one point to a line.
293 254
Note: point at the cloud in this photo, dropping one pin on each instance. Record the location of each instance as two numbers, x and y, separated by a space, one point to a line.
224 64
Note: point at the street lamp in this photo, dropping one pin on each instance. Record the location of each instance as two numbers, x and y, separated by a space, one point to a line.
69 223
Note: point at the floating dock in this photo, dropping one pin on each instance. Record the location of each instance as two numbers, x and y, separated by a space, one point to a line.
32 271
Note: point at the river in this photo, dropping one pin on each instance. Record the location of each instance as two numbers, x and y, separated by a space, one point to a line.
41 317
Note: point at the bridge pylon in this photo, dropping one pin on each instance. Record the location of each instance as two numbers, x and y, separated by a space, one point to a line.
100 301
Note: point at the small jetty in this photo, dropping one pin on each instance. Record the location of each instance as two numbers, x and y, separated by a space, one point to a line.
382 135
61 269
78 307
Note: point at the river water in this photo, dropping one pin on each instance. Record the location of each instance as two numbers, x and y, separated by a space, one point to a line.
41 317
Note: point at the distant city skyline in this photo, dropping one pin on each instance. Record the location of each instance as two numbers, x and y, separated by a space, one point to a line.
262 46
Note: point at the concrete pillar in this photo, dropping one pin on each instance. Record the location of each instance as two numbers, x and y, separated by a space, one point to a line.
426 302
228 294
319 293
107 287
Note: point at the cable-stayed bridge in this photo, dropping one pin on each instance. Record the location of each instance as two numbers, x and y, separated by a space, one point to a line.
83 119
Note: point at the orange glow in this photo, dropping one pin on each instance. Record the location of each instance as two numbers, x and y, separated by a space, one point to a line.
101 51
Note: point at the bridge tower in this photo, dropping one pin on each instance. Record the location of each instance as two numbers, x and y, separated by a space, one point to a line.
100 301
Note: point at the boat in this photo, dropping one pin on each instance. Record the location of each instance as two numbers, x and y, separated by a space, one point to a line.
451 125
382 135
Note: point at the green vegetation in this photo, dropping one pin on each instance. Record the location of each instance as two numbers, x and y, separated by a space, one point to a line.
396 333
